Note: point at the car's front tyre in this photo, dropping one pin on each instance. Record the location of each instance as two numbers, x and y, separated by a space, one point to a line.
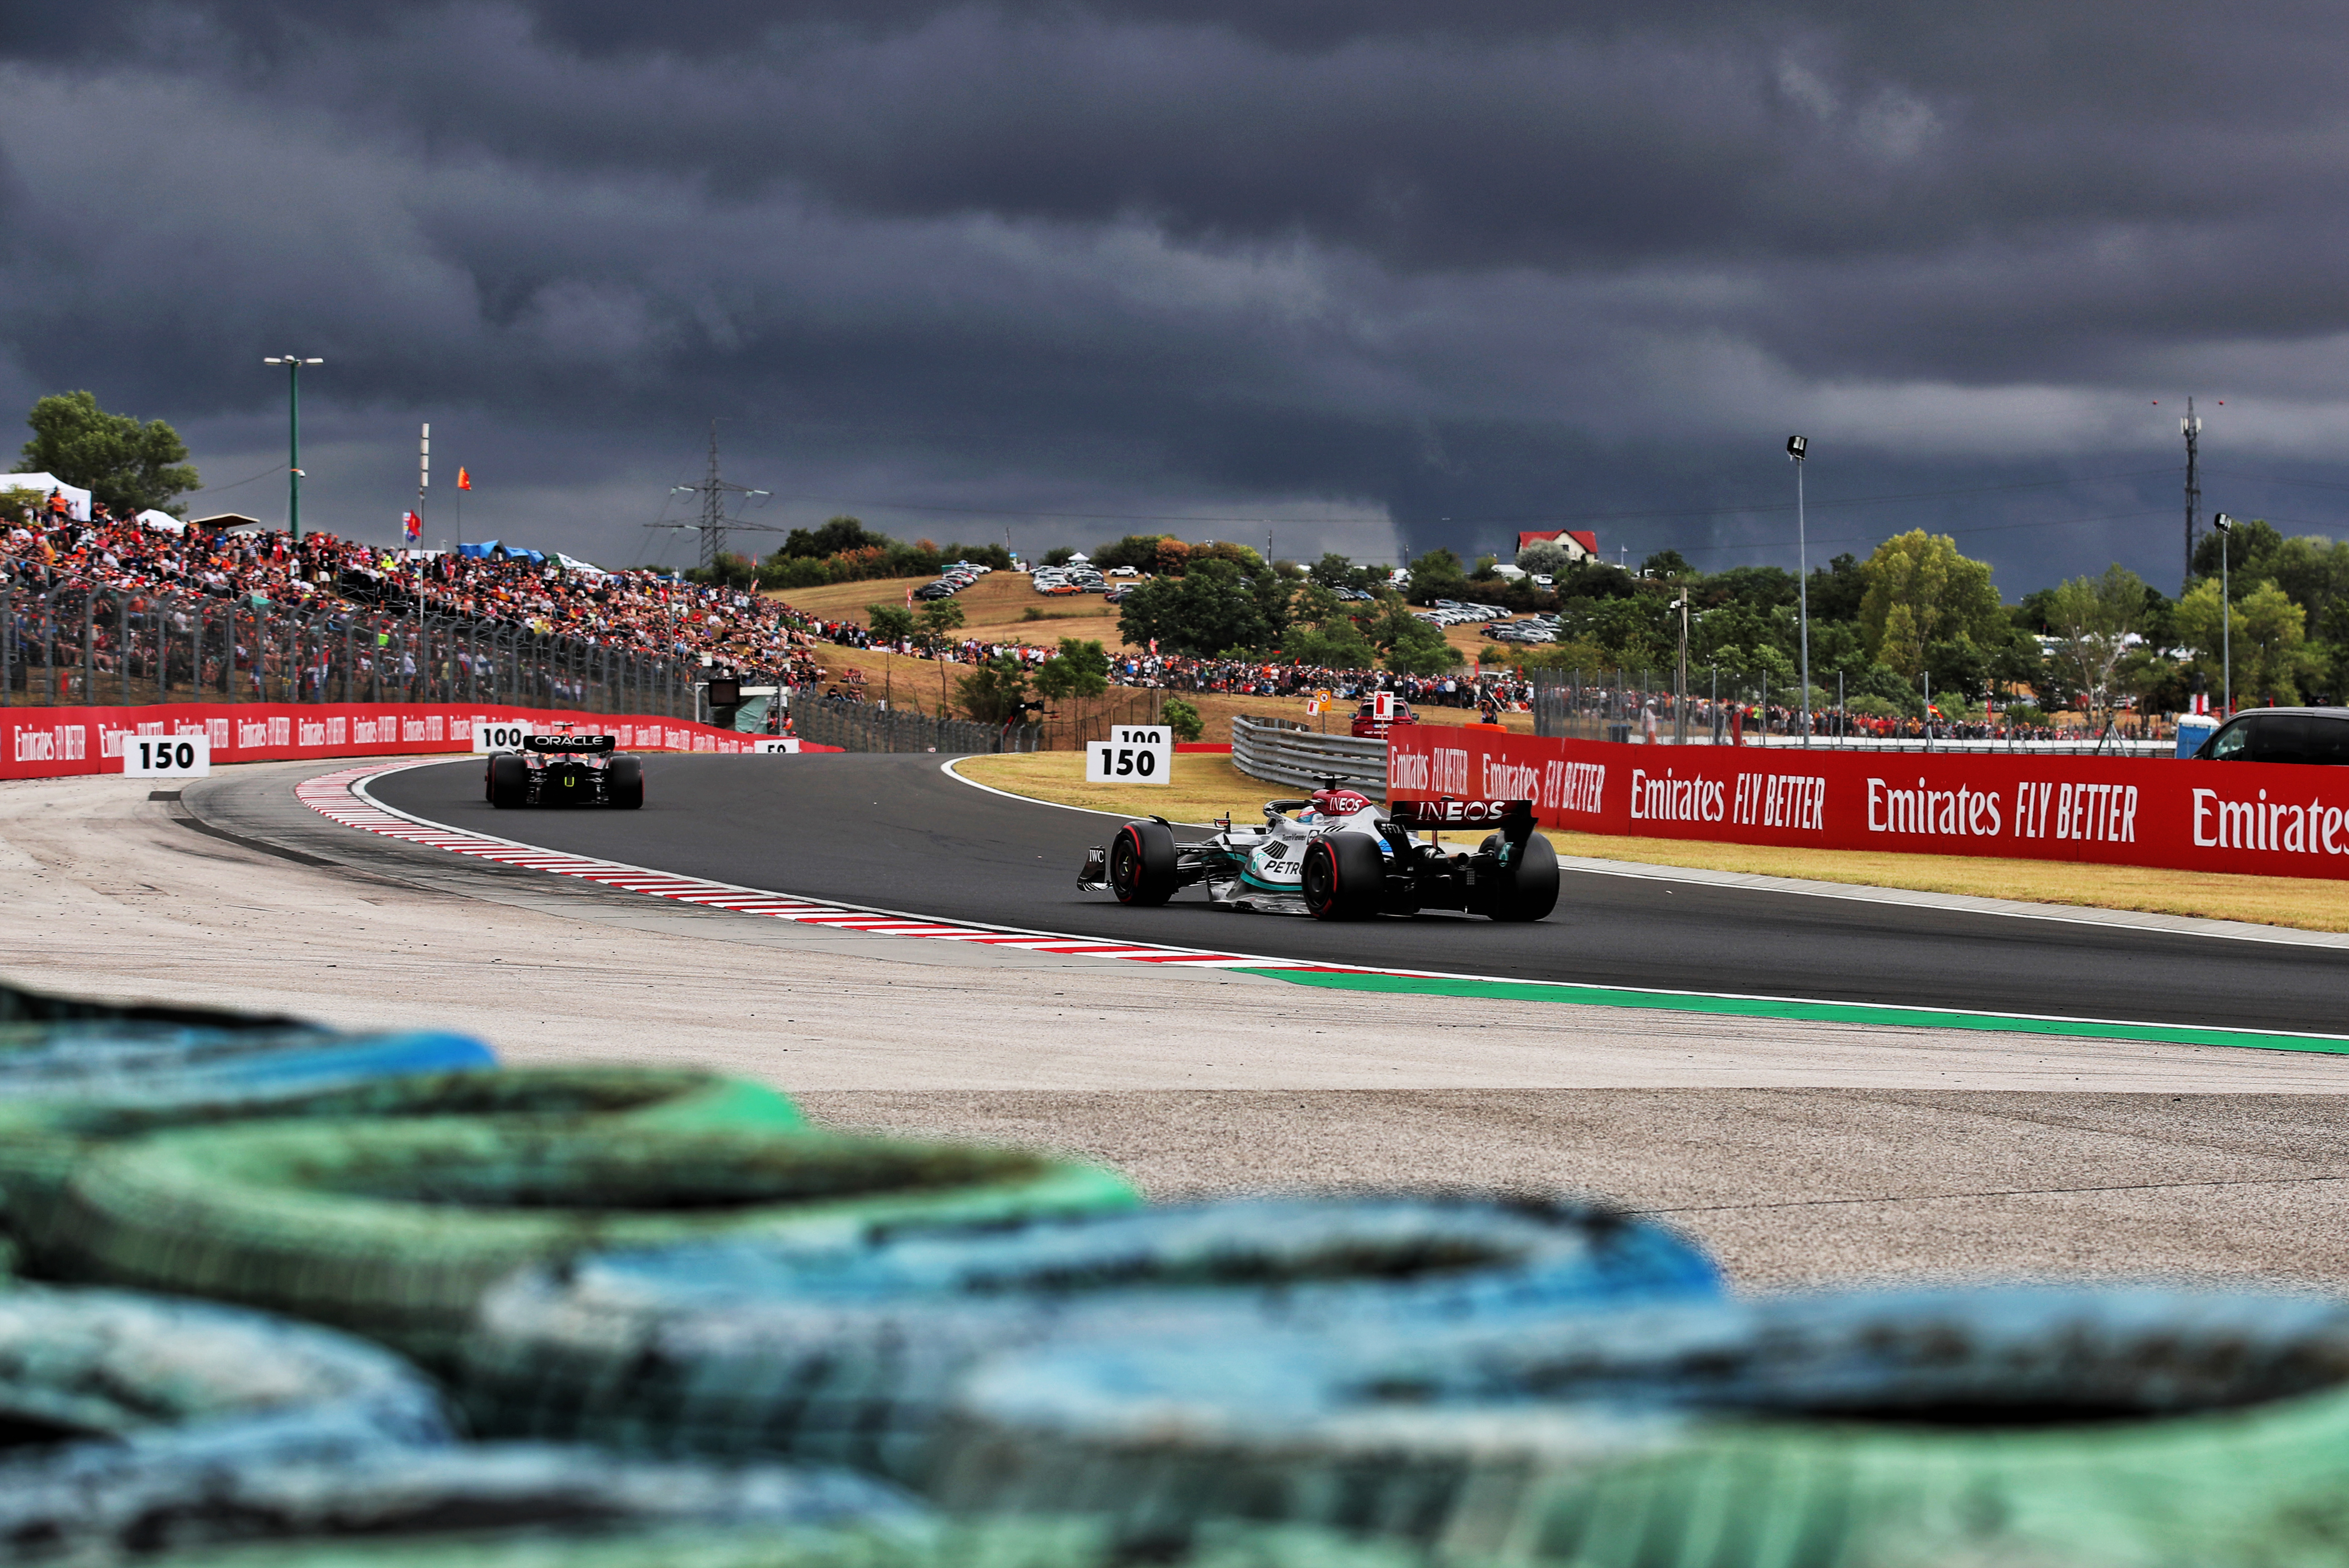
1141 864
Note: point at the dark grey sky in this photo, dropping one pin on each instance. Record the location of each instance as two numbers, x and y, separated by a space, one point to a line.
1382 275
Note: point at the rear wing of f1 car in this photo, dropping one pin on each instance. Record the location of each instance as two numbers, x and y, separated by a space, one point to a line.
1515 818
570 742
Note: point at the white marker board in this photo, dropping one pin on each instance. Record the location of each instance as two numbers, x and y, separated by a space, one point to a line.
187 756
499 735
1134 753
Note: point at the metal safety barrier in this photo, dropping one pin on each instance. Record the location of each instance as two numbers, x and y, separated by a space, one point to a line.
1279 751
869 727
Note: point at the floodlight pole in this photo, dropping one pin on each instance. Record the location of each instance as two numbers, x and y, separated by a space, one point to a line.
293 363
1680 695
2226 526
1796 447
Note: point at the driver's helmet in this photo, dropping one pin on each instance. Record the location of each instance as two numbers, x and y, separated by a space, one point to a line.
1328 803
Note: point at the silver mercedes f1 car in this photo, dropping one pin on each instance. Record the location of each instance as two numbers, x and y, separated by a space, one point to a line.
1340 857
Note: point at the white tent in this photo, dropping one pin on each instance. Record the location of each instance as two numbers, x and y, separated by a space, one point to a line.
76 501
570 563
162 522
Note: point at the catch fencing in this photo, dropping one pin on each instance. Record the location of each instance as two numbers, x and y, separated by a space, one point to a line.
2265 819
64 643
869 727
1280 750
1726 706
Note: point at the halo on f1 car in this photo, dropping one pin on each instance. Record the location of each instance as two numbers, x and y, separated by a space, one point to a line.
564 769
1340 857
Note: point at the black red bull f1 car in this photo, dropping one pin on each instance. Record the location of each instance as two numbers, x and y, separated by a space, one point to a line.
1340 857
566 770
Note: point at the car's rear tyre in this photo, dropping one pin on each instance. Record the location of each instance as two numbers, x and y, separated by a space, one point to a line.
1344 877
1142 863
509 780
624 785
1527 890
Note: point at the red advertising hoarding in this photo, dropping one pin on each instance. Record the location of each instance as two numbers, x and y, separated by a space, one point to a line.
2266 819
50 742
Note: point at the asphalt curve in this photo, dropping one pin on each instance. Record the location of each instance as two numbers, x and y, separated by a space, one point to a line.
896 833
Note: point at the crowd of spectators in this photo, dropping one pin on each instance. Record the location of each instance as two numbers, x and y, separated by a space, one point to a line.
655 612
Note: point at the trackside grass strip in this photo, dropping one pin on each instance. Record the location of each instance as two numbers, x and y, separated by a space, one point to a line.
1807 1011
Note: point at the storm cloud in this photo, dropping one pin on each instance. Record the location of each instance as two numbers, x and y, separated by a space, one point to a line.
1379 276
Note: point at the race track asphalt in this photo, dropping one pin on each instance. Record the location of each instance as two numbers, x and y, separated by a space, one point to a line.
896 833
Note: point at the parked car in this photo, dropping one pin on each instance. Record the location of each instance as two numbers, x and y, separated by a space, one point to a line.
2317 735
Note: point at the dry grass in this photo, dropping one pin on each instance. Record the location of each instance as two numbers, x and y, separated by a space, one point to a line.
2306 903
1206 786
994 607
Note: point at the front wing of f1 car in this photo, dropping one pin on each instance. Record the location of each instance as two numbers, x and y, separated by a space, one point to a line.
1338 866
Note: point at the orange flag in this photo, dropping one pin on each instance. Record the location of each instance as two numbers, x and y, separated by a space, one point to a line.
464 479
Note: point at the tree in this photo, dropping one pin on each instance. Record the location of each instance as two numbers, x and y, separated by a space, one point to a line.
2251 551
890 623
1670 564
1408 643
1207 609
2273 628
1078 670
1059 555
2096 618
1544 558
836 537
1138 551
1335 571
1437 576
995 691
940 616
2268 637
1920 591
1182 718
1836 590
128 466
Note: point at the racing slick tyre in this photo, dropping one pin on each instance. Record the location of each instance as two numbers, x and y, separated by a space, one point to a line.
1528 889
1344 877
423 1497
1142 863
623 782
41 1140
113 1398
509 780
1994 1425
736 1348
395 1228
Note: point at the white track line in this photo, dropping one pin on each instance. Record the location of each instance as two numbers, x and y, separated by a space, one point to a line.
342 798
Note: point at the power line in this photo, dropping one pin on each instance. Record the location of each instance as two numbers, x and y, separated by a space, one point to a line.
715 523
213 488
1744 510
1984 528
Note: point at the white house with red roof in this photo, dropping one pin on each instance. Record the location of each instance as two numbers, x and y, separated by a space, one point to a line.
1579 545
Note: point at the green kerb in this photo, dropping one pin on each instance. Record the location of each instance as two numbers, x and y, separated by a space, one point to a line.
1808 1011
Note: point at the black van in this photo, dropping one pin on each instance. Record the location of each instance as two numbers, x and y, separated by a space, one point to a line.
2281 735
